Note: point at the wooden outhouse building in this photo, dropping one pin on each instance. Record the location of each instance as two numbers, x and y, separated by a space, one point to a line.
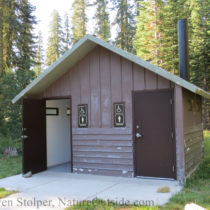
101 110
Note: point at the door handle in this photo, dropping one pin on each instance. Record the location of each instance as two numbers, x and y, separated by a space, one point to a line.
138 135
24 136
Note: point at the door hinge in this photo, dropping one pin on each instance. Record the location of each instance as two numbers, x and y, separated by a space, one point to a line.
171 101
173 168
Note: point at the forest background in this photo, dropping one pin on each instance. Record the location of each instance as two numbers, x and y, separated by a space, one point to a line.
147 28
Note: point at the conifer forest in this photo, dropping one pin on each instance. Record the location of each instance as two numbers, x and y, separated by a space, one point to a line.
146 28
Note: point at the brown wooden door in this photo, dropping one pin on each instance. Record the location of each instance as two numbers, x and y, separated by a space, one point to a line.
153 131
34 136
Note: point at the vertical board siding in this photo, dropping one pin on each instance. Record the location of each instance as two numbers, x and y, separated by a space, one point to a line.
150 80
193 131
100 79
127 87
95 111
138 77
75 88
116 77
84 71
105 88
163 83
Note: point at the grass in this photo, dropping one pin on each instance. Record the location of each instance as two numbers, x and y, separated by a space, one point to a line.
196 190
4 193
9 165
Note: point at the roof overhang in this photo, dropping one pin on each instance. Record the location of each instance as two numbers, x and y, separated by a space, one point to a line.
79 51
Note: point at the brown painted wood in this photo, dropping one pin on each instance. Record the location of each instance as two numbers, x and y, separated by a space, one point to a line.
193 131
100 79
34 126
105 81
127 87
95 108
106 172
163 83
116 78
75 93
138 77
99 148
106 137
122 167
154 150
103 154
150 80
84 73
102 142
179 133
99 131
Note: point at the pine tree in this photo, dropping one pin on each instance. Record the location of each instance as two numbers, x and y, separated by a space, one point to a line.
78 20
147 41
1 38
102 20
55 40
67 37
24 37
126 25
172 12
199 43
156 39
39 55
18 56
9 22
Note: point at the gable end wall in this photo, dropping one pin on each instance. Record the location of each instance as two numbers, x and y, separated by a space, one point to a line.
99 80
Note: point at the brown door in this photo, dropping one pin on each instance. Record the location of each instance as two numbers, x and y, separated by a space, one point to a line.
34 136
153 131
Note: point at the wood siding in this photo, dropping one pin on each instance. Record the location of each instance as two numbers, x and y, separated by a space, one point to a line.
193 131
99 80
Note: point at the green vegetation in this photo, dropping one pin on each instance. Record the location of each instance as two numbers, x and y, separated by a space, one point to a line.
196 190
145 27
126 25
79 20
9 166
4 193
102 28
17 56
55 40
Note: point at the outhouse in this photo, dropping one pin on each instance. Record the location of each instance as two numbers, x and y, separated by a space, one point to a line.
101 110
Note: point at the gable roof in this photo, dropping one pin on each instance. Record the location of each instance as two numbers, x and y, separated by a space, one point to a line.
82 48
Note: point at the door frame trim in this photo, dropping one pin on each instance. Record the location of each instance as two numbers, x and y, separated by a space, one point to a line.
173 125
70 106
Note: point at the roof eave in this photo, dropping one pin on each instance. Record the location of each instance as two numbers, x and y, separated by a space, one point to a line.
165 74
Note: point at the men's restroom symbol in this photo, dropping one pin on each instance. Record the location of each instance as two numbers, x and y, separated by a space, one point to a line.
119 119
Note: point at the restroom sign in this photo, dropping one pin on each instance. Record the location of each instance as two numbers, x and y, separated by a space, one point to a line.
119 114
82 115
